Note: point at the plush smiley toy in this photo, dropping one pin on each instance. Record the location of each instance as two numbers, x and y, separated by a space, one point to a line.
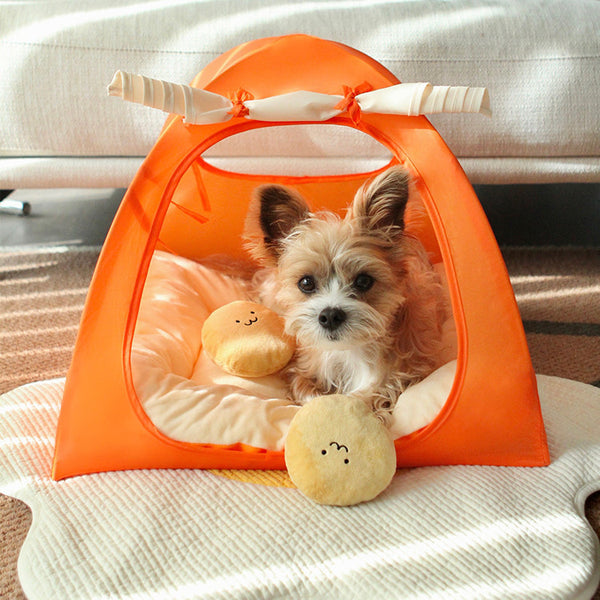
247 339
338 452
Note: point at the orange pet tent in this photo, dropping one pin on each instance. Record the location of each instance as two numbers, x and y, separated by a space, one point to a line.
180 203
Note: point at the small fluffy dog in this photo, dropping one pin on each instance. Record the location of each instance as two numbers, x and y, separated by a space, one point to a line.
358 293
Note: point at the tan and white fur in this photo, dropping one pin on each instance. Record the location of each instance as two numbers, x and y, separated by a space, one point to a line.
358 293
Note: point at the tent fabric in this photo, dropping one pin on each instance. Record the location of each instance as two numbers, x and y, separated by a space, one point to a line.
180 203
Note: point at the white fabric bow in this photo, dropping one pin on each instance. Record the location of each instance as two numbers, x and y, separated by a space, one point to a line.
201 106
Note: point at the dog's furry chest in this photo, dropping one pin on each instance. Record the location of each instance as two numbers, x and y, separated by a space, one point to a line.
353 371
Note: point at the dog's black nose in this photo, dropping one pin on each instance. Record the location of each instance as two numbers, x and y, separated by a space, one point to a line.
331 318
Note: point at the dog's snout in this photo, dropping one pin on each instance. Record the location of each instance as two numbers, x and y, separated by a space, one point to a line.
331 318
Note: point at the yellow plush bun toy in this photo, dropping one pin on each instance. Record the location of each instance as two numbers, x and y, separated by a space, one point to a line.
247 339
338 452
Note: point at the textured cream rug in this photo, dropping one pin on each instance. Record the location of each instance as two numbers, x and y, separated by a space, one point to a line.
42 293
438 532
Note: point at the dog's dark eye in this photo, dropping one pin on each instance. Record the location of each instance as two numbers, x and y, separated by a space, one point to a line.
307 284
363 282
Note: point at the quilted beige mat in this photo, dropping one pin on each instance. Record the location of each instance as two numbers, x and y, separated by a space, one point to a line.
442 532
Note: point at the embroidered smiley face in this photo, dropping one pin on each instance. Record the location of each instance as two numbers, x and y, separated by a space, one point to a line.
337 452
251 319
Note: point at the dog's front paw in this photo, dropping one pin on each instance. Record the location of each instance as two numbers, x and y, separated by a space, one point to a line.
382 408
302 389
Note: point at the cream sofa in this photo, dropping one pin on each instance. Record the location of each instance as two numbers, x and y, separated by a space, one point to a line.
539 60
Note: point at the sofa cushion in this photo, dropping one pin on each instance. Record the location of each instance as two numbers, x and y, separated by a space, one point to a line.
542 68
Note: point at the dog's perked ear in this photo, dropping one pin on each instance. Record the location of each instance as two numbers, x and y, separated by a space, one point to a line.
278 210
382 201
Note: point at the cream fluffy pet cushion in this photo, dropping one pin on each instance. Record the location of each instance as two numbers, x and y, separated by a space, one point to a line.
189 398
